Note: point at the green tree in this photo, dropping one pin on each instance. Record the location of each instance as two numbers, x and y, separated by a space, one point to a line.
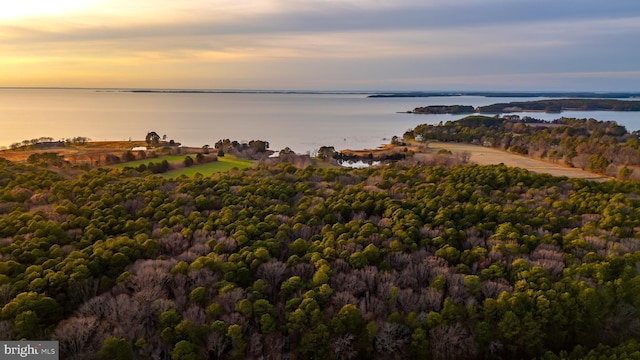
152 138
624 173
327 152
598 163
419 347
198 296
115 349
185 350
314 344
235 333
33 314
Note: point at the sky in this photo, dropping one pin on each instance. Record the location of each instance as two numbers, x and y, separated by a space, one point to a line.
428 45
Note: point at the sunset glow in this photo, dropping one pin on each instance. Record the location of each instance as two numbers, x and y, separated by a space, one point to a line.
36 8
338 44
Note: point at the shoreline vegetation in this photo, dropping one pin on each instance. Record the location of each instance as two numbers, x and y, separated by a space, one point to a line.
576 148
601 147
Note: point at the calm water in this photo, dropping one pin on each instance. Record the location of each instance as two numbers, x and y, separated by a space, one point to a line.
303 122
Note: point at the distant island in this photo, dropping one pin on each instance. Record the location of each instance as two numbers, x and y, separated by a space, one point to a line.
548 106
444 109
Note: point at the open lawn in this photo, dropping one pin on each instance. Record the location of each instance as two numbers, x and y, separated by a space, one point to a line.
172 159
223 164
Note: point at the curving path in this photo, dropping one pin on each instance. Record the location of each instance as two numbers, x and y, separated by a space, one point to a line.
487 156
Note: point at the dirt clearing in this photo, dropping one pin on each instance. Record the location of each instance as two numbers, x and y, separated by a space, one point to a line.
488 156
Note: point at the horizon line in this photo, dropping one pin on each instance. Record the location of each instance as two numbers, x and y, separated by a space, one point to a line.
316 91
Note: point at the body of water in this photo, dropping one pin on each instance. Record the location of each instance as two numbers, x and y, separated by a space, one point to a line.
303 122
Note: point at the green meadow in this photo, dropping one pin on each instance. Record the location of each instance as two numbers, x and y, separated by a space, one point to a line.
223 164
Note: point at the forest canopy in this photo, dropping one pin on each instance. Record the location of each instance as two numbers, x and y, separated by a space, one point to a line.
388 262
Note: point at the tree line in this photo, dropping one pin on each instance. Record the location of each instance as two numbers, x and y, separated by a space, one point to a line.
559 105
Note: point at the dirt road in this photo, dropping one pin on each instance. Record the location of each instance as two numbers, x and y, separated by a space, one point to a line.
486 156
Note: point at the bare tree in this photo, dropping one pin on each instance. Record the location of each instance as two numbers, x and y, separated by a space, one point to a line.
348 282
6 329
203 277
133 206
369 275
151 274
272 272
372 308
407 301
83 290
342 298
452 342
456 289
431 299
549 257
217 344
94 307
228 300
180 289
304 270
123 310
493 288
391 340
343 347
255 345
7 293
196 315
397 260
340 266
173 244
274 344
78 337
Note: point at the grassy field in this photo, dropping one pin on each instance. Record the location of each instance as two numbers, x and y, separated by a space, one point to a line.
172 159
225 163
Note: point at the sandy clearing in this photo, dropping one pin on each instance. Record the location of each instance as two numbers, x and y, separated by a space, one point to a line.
488 156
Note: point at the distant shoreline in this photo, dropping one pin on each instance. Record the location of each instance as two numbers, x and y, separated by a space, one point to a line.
489 94
368 93
281 92
374 94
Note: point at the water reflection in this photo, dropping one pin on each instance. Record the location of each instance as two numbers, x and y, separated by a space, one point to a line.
359 164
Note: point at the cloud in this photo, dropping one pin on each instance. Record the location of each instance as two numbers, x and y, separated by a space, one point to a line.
348 42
